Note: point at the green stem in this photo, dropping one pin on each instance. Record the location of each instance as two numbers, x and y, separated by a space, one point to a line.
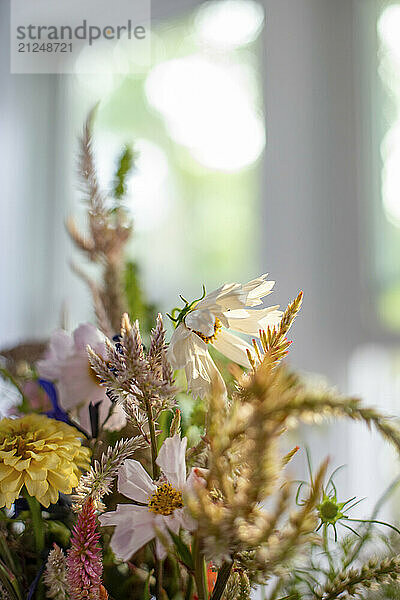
387 493
159 578
10 582
156 474
189 588
222 580
200 570
326 549
375 521
37 523
153 439
8 557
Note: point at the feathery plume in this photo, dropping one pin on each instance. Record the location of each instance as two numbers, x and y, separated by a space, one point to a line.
238 586
274 344
97 482
288 457
352 582
143 383
4 595
84 564
109 229
55 576
175 426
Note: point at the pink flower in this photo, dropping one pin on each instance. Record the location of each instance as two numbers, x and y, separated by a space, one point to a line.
84 565
66 364
38 399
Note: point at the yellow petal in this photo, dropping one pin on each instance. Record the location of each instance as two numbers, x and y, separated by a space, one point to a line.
8 498
22 464
60 481
12 482
37 472
36 489
4 470
11 460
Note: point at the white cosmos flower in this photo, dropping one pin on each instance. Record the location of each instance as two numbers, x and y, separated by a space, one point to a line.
66 364
208 321
161 503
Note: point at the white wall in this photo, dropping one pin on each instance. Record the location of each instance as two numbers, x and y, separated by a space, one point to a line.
312 218
34 275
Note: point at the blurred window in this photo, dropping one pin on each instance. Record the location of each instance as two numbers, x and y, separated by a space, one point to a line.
387 218
195 117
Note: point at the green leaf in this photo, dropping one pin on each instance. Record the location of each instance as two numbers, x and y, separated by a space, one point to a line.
146 593
183 551
125 165
9 582
138 306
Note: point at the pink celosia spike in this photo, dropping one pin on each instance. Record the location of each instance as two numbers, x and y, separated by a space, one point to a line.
84 564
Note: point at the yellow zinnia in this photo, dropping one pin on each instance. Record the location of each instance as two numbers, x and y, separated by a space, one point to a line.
41 454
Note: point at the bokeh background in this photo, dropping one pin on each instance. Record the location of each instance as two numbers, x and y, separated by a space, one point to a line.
268 140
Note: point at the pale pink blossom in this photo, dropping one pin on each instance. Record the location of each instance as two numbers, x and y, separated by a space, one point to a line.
66 364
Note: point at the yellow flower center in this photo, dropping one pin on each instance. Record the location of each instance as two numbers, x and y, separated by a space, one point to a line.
210 338
165 500
21 441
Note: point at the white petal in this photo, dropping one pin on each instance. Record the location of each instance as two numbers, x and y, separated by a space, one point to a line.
163 523
114 423
232 347
197 476
117 420
161 552
200 373
251 321
134 528
249 294
231 296
60 346
134 482
186 521
141 535
201 320
77 384
171 460
187 350
87 334
210 300
67 364
257 289
180 347
122 512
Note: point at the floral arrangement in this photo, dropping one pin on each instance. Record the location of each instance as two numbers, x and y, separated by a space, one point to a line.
117 483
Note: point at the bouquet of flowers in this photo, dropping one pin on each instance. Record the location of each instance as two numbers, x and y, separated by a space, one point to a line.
137 468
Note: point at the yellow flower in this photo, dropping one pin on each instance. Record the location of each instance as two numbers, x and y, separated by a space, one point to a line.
41 454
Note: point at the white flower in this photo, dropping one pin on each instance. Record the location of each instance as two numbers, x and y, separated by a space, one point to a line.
66 364
208 320
161 503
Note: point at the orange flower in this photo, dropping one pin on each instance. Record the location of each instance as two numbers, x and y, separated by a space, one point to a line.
211 579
